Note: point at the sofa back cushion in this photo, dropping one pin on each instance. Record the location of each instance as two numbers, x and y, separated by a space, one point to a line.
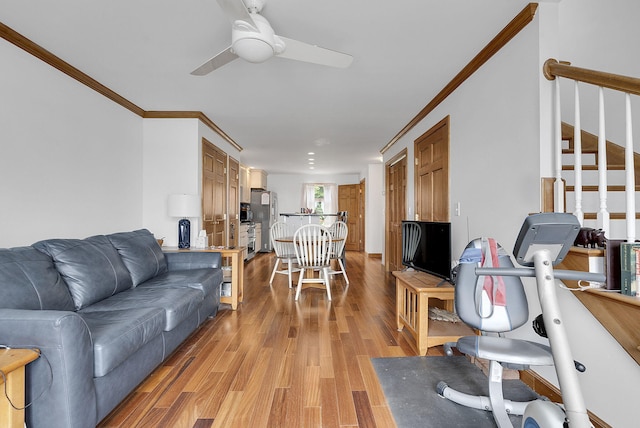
29 280
91 267
140 253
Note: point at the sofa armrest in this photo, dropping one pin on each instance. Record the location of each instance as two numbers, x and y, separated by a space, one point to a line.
192 260
60 382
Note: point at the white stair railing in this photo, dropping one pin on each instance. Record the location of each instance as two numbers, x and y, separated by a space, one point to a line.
630 184
629 86
603 214
577 156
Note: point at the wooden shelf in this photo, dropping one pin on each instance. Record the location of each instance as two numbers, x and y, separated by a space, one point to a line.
617 313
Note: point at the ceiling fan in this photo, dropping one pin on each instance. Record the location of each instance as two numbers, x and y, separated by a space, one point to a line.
253 40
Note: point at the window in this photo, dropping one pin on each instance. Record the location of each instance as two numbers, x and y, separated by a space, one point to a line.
321 198
318 199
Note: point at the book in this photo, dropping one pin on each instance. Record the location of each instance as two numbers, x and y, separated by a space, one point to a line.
629 268
612 264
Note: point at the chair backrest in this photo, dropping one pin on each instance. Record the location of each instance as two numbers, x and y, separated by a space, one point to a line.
489 303
411 234
339 230
312 244
280 229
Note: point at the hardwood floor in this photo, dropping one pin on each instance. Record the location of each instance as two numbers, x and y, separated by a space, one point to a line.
279 363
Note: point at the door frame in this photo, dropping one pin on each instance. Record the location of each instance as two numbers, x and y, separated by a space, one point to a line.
387 168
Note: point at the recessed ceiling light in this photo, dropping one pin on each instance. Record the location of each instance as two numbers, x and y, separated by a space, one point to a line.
310 167
311 159
311 163
311 153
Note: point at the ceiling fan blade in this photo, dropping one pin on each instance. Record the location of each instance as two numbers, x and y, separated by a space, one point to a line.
217 61
237 11
301 51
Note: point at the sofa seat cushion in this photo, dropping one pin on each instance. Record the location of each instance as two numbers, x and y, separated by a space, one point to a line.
29 280
91 267
140 253
178 303
206 280
118 334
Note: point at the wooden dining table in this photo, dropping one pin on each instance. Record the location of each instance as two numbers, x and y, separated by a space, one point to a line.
289 240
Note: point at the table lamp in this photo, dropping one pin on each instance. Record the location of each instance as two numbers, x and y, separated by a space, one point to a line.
184 206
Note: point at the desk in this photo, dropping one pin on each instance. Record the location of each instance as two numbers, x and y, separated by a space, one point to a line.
237 270
413 291
12 364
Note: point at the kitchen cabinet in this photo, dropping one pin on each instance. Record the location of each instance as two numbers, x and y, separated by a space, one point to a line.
243 237
245 184
258 179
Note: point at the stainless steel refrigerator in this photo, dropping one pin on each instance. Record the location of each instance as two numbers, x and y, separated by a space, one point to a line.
264 206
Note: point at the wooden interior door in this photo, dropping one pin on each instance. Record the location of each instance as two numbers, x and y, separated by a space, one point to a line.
348 200
432 173
361 219
233 207
396 191
214 193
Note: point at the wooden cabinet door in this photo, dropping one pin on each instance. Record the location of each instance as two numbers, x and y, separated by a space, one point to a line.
233 208
214 193
348 200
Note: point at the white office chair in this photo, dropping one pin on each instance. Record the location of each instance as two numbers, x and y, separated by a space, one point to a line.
312 244
284 251
411 234
339 231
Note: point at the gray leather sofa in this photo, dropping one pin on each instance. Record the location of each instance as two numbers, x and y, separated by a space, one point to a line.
104 312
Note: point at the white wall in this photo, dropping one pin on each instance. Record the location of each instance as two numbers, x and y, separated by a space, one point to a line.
171 166
70 159
375 209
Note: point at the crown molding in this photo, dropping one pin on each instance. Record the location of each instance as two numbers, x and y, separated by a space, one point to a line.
46 56
521 20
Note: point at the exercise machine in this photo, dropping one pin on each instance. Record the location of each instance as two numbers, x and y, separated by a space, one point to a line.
490 297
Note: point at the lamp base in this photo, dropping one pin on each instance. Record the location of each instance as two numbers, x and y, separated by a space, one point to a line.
184 233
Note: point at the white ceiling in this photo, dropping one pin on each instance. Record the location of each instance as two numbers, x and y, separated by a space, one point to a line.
405 52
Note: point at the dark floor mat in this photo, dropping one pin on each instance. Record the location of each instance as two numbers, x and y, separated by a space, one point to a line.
409 384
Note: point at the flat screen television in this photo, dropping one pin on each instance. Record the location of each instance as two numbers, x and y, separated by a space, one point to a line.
433 254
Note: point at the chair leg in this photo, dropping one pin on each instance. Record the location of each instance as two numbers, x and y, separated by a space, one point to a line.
344 271
326 282
275 268
290 266
299 287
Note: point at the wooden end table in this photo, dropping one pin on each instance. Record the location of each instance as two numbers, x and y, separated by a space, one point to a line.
237 269
12 364
413 291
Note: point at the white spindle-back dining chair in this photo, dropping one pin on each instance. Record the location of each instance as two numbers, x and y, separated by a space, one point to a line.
312 244
284 251
339 231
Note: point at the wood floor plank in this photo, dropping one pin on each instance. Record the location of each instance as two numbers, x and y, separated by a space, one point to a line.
277 362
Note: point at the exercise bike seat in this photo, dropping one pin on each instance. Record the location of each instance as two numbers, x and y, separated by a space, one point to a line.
512 353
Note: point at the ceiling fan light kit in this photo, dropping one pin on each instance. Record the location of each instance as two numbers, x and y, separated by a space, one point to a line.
253 40
254 46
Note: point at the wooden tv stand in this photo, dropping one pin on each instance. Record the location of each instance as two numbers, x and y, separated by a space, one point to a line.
413 291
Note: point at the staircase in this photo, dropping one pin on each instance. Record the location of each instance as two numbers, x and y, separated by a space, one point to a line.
616 204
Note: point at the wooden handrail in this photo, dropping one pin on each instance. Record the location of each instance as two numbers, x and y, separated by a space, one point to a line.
553 68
